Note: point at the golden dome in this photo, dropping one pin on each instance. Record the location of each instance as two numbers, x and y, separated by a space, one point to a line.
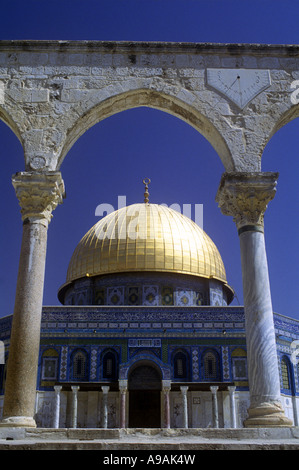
148 238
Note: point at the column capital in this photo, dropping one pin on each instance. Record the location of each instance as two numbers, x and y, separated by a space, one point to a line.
245 196
105 389
184 389
214 388
123 386
166 385
38 194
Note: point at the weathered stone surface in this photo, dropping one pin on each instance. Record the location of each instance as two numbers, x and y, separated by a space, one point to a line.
38 195
55 90
151 439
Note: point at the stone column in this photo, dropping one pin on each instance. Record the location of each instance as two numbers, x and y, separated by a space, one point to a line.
184 391
123 387
166 386
75 389
56 416
105 390
38 195
232 403
215 406
245 197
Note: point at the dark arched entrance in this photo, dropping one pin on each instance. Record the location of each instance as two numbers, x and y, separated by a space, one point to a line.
144 397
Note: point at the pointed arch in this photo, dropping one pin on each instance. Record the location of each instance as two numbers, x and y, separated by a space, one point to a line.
140 97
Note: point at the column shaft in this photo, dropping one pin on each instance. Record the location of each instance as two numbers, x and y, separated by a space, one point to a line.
184 391
123 387
20 386
260 335
232 406
166 386
245 196
105 391
123 409
75 389
38 195
56 416
215 415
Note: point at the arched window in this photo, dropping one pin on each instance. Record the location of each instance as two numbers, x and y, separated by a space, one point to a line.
285 374
110 365
210 366
239 364
79 366
49 365
181 366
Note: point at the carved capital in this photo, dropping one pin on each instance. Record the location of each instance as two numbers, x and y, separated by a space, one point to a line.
38 194
123 386
166 386
245 196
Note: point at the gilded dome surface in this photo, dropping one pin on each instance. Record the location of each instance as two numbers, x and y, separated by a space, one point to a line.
148 238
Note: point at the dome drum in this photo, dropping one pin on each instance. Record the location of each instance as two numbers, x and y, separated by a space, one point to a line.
149 289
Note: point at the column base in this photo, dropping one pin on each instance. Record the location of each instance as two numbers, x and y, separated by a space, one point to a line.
267 415
18 422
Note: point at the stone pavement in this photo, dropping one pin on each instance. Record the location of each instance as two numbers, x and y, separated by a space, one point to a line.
149 439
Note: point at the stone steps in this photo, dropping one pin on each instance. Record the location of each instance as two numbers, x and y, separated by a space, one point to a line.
178 440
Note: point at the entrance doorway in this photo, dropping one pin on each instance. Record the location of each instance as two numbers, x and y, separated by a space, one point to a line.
144 397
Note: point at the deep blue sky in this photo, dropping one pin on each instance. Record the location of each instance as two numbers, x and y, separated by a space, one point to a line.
112 157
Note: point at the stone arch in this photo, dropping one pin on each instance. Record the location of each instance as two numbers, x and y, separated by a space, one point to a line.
10 122
272 124
146 97
287 116
152 378
144 357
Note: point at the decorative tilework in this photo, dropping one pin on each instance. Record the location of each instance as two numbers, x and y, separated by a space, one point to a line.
225 363
63 363
115 296
150 295
216 296
73 314
195 364
167 295
144 356
100 296
183 297
199 298
93 364
133 296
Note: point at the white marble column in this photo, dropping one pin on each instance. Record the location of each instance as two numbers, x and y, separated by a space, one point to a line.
232 403
166 386
184 391
56 416
38 195
123 387
105 390
75 389
215 415
245 197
